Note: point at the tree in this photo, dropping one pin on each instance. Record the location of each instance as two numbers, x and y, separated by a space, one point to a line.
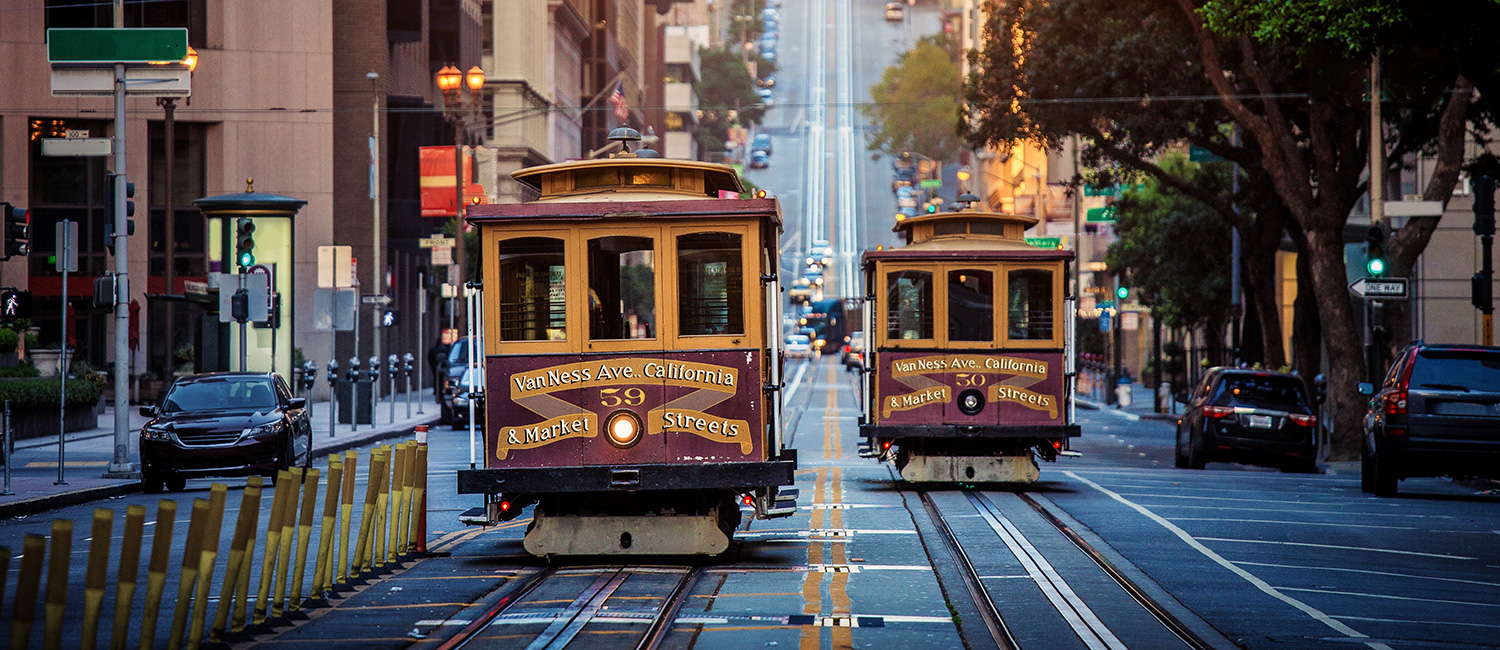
1172 249
1150 74
915 103
726 95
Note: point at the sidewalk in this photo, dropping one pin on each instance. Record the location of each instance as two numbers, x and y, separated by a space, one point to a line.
87 455
1142 405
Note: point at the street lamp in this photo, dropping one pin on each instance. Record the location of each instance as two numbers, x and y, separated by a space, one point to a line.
169 236
451 81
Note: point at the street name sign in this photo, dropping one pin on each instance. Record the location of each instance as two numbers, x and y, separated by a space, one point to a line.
76 147
435 242
1380 288
86 80
1413 208
116 45
375 299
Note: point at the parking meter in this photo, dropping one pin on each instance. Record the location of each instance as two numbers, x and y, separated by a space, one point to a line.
406 361
309 375
333 374
391 365
374 371
1320 389
354 374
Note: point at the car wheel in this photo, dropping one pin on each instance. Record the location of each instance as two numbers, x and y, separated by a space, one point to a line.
1196 456
1366 469
307 456
288 455
445 414
1385 474
176 483
151 483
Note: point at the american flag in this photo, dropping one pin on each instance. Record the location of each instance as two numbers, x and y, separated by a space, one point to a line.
617 99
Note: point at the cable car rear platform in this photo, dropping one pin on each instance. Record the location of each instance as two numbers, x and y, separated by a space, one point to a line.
968 431
629 478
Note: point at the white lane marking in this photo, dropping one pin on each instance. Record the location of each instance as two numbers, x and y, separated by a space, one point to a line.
1352 513
1092 631
1026 577
796 382
1369 572
1336 546
1410 622
1207 552
432 622
1444 601
1184 496
1295 523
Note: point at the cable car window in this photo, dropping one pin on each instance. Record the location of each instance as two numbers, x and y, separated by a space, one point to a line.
950 228
622 288
971 305
1030 305
533 291
909 305
987 228
710 284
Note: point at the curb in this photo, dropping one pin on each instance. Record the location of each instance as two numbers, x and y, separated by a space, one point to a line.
75 497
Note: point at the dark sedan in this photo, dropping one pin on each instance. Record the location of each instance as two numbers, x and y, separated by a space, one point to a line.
1249 416
223 424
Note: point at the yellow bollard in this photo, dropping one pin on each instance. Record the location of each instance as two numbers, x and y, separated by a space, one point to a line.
304 536
197 530
273 536
323 570
33 554
207 556
130 570
408 491
284 548
367 515
156 573
94 577
244 533
382 509
239 604
419 499
57 583
346 512
398 477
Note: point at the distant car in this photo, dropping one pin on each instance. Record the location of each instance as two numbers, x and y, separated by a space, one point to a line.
762 141
799 346
769 12
223 424
813 274
759 160
457 401
894 12
458 360
821 247
1437 413
1249 416
765 97
854 351
769 81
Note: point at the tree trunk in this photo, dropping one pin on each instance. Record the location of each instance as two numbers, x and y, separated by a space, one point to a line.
1307 335
1325 250
1260 278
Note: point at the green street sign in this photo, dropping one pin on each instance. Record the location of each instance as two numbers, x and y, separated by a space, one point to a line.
105 45
932 183
1051 243
1090 190
1100 215
1198 154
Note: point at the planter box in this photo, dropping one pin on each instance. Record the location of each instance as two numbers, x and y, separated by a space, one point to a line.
40 424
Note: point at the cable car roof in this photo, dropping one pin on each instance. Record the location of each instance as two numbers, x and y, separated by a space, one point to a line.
967 233
630 173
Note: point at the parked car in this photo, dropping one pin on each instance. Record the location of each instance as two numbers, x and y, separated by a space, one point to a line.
759 160
1249 416
223 424
456 401
762 141
894 12
798 346
765 97
1437 413
458 360
769 81
854 351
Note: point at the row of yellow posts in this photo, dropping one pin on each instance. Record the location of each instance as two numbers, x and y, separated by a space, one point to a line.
388 531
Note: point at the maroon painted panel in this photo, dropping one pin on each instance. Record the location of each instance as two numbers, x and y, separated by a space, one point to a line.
711 421
920 387
549 411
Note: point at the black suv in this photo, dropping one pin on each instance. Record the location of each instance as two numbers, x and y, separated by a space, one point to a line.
1437 413
453 369
1249 416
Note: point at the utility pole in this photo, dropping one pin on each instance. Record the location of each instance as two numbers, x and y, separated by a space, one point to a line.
1483 282
376 270
120 465
1375 309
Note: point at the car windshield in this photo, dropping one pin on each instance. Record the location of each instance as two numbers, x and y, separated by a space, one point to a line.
1469 369
220 394
1260 391
459 353
468 378
796 339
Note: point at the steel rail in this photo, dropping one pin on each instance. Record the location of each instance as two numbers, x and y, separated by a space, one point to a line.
662 625
1166 618
500 607
988 611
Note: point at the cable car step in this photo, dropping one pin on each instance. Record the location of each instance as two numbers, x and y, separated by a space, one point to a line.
783 503
475 517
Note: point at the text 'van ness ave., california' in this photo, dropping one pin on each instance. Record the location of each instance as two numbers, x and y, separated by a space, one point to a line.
969 363
609 372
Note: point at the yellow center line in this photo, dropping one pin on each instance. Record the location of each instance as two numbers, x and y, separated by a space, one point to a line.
812 583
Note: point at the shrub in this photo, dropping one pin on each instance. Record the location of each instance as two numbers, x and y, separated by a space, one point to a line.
38 394
9 340
23 370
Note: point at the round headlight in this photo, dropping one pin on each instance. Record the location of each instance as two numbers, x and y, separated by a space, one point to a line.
970 402
623 429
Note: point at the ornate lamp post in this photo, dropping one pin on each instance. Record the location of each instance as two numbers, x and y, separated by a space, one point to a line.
451 81
169 236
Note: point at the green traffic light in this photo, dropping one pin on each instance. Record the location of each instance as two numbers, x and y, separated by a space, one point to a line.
931 208
247 260
1122 292
1375 266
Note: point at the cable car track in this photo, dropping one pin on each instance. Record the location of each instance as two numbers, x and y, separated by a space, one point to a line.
1094 633
563 626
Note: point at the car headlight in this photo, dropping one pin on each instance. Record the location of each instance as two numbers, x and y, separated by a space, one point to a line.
156 433
262 430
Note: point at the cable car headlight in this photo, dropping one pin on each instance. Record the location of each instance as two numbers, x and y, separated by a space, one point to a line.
970 402
623 429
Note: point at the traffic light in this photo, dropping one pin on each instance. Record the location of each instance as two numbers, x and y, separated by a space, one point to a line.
17 231
245 244
1375 251
388 318
932 208
15 304
104 293
109 211
239 306
1484 205
1122 292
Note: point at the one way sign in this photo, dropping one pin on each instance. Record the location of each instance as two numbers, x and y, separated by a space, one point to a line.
1380 288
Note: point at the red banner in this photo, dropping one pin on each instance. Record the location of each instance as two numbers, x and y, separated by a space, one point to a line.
437 176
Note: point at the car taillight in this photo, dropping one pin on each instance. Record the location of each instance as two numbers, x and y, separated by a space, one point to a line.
1395 402
1305 420
846 348
1218 411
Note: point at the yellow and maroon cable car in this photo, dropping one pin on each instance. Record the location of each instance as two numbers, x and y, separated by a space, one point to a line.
970 350
631 363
